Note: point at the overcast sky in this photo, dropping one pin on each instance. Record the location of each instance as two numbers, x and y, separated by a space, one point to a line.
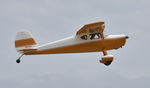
50 20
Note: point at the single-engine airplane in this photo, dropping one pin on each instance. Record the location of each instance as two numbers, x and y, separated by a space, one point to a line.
89 38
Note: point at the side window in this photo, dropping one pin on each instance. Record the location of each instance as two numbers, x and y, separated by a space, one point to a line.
95 36
84 37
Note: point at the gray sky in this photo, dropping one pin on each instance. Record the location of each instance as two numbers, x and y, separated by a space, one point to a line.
62 18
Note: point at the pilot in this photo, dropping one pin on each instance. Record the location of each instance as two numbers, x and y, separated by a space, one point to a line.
92 36
95 36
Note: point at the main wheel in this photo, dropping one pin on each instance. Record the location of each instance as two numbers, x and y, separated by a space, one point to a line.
107 60
107 63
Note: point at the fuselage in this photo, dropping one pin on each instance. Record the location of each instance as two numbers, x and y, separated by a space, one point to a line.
75 44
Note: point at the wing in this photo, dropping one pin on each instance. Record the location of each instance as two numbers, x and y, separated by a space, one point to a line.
91 28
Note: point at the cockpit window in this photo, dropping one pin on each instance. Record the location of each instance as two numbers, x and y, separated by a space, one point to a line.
84 37
95 36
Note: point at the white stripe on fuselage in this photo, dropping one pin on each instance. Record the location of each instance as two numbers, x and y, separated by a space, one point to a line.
64 42
73 40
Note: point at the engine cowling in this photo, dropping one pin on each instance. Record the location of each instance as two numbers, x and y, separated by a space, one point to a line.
107 59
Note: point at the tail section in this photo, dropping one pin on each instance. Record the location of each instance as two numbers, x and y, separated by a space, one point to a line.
24 41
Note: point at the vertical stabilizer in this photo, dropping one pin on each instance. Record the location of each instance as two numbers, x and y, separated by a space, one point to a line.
24 41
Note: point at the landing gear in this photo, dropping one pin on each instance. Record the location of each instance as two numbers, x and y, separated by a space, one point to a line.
106 59
18 60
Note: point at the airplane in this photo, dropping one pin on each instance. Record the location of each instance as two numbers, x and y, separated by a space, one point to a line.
89 38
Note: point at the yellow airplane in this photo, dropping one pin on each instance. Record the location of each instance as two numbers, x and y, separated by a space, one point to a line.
89 38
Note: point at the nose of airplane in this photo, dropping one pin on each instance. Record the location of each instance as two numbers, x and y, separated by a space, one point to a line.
117 36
